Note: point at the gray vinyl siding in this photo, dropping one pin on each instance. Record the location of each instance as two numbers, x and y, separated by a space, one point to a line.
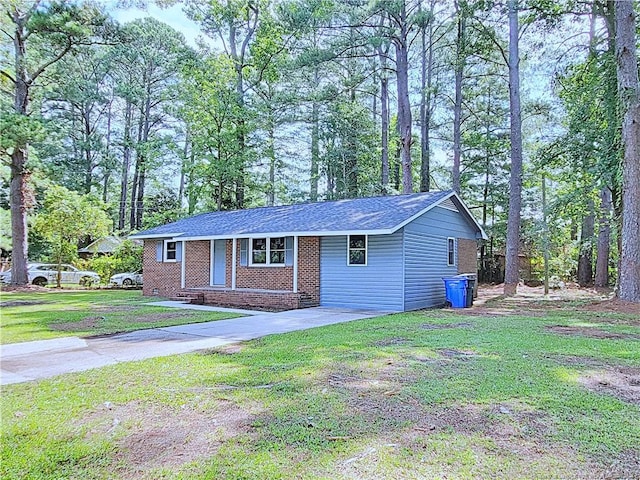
425 256
378 285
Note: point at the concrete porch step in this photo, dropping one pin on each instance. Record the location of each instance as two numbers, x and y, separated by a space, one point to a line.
194 298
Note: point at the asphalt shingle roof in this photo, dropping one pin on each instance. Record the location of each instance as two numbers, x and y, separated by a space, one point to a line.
353 215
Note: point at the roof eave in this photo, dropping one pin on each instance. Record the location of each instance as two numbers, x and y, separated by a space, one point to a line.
154 235
322 233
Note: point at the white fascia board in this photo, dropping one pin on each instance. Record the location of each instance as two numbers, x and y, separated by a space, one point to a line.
155 235
327 233
433 205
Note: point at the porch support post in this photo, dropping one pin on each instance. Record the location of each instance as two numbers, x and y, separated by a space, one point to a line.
234 256
295 264
183 267
211 260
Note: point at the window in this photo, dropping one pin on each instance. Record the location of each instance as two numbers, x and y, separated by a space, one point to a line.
357 250
170 251
276 251
451 251
268 251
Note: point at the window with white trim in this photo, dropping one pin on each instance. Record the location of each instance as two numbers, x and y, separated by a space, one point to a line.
451 251
357 250
170 251
268 251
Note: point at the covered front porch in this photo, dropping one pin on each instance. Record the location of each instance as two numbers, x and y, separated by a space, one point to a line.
251 298
222 272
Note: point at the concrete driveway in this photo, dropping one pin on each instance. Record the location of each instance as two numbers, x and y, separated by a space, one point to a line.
24 362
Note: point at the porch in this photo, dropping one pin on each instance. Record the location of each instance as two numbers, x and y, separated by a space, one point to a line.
260 299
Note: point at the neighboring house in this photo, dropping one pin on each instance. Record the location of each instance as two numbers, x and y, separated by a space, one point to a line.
102 246
385 253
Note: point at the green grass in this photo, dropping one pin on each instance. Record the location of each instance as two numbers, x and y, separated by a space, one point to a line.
391 397
45 315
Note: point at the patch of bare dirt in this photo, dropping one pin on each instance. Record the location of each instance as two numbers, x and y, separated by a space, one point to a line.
491 299
231 349
590 332
576 360
621 382
86 323
444 326
625 465
21 303
24 289
455 353
148 437
615 305
389 342
115 308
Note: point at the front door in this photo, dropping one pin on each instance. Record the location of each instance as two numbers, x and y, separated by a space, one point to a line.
219 262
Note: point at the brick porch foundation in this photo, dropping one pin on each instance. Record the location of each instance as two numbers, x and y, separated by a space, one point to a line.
254 298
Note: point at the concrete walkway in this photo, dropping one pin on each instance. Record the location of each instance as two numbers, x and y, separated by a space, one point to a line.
24 362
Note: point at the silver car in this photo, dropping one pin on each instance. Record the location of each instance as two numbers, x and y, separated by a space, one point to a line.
44 273
127 279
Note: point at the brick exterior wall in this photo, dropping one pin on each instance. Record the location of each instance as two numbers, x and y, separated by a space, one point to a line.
309 267
467 256
164 278
160 278
281 278
254 299
198 261
267 278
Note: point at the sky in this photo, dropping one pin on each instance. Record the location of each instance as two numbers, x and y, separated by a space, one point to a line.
173 16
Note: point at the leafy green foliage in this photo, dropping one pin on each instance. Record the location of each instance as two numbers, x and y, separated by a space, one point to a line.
126 258
66 218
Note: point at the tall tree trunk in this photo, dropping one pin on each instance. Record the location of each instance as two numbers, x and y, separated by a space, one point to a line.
397 161
604 239
88 172
425 103
384 131
238 60
512 275
585 256
19 195
136 174
384 115
142 164
18 189
457 105
315 146
404 106
629 92
107 176
545 232
126 161
271 156
183 169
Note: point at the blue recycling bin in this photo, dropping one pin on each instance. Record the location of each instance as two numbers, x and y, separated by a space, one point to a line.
456 291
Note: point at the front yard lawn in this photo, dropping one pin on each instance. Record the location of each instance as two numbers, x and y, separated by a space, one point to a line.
44 315
503 391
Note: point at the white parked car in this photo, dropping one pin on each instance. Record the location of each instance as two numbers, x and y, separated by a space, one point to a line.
127 279
47 273
44 273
